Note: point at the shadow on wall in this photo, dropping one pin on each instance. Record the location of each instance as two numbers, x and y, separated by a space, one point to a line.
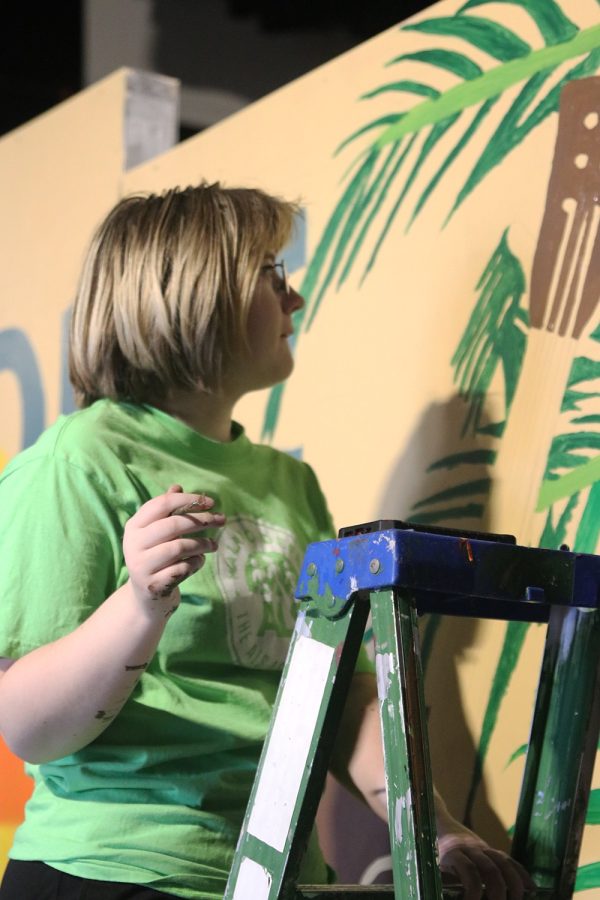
442 477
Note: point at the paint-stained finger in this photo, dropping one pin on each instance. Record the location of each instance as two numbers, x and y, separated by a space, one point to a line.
202 502
459 864
517 880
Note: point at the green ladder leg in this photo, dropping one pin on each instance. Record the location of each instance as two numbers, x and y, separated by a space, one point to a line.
294 763
295 757
411 814
562 750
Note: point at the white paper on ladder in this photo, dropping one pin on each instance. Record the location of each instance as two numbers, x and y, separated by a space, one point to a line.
253 881
289 743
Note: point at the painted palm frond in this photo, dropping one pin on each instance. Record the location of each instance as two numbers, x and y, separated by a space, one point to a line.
576 452
574 458
494 338
578 455
429 121
588 877
583 370
593 810
571 450
553 536
402 142
587 539
495 335
574 464
491 339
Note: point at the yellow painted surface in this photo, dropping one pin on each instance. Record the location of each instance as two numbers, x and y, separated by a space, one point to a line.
6 833
59 174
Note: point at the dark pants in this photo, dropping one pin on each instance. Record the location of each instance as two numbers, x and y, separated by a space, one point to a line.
36 881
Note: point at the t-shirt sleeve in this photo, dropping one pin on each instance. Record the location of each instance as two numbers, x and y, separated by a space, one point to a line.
60 552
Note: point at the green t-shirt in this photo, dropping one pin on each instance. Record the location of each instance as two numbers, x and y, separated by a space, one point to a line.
158 798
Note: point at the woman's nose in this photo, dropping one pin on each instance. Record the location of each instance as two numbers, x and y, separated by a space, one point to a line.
293 301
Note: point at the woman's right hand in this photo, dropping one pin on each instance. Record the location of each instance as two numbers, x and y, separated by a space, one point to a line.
162 546
59 697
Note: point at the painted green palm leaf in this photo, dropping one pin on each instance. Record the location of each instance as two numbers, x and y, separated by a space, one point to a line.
511 131
491 83
477 91
582 470
593 810
411 87
579 478
479 353
568 451
450 60
499 42
587 540
575 451
588 877
368 206
552 537
520 751
552 22
494 339
495 335
583 370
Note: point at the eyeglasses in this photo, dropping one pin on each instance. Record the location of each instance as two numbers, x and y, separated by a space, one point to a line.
279 268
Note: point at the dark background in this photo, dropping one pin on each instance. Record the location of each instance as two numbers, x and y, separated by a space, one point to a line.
41 47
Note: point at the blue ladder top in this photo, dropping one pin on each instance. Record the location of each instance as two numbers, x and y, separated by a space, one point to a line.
448 571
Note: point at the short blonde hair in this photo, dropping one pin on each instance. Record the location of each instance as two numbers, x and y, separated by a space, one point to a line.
165 289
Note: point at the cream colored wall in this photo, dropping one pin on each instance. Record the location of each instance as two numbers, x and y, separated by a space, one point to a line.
58 175
372 401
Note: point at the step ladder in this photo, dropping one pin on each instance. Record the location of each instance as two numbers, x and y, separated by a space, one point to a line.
396 570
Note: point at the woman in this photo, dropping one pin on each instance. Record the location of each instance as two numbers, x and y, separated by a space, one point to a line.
139 666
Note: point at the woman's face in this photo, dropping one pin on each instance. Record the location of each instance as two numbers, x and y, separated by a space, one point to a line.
266 359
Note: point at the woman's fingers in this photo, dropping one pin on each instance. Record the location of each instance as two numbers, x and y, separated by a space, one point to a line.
167 580
166 504
175 525
163 541
168 554
479 868
462 866
517 879
201 502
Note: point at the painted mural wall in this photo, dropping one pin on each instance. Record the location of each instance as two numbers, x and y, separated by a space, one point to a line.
448 357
